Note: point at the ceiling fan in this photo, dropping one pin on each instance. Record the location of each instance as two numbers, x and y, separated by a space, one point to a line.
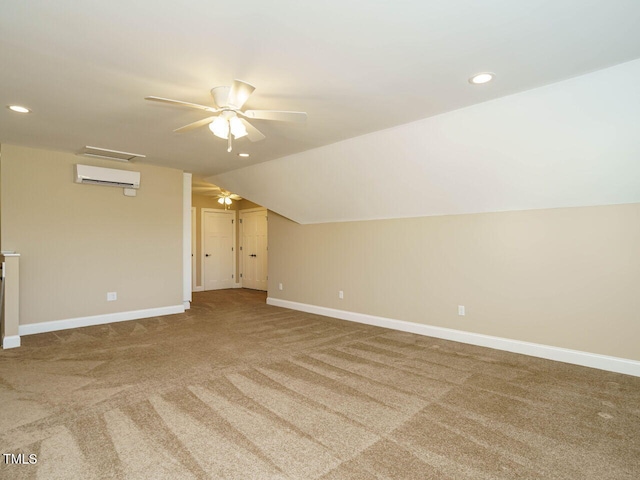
230 119
225 197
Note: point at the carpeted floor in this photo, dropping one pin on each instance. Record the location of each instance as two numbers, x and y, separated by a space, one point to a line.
235 388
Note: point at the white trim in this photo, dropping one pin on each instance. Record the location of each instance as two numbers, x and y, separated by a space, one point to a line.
194 281
199 288
54 326
241 244
12 341
237 285
576 357
186 238
186 305
203 211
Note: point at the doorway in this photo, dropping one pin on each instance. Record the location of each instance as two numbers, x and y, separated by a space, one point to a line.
218 255
253 248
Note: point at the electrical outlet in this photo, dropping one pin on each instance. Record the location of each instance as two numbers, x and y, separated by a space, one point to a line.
461 310
340 294
279 286
112 296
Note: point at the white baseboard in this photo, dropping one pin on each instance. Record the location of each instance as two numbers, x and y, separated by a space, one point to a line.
43 327
12 341
237 285
198 289
576 357
186 304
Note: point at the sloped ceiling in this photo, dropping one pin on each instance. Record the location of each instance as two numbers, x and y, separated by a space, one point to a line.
574 143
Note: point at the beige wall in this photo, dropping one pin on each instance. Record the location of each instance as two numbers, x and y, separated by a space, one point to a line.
78 242
245 204
565 277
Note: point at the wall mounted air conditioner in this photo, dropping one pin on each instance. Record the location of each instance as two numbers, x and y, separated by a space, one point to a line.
110 177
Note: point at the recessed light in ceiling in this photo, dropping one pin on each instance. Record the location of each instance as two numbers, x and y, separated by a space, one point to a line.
18 108
483 77
243 154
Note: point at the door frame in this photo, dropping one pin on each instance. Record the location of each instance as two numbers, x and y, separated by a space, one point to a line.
241 235
234 217
186 240
194 253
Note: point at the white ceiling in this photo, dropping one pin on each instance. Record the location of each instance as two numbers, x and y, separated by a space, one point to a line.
355 67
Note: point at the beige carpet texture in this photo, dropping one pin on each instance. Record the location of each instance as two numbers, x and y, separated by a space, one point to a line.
238 389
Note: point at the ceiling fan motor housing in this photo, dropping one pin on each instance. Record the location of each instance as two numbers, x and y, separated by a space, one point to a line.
221 96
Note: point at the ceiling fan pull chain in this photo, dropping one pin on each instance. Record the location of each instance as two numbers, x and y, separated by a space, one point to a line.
229 143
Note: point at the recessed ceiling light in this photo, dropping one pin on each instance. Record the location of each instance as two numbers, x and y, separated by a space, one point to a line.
18 108
483 77
243 154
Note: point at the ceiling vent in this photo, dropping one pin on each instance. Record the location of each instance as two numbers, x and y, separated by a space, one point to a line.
96 152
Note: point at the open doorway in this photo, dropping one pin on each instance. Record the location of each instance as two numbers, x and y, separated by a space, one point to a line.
206 197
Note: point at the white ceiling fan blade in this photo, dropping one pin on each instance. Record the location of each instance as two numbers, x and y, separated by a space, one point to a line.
182 104
240 92
276 115
232 196
191 126
253 133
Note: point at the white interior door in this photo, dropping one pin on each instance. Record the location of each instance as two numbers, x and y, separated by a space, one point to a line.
254 249
218 238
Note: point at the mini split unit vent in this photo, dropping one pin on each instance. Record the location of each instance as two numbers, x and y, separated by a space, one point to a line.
96 152
107 176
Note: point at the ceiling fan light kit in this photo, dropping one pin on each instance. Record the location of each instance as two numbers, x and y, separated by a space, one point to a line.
225 200
228 103
237 127
219 127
